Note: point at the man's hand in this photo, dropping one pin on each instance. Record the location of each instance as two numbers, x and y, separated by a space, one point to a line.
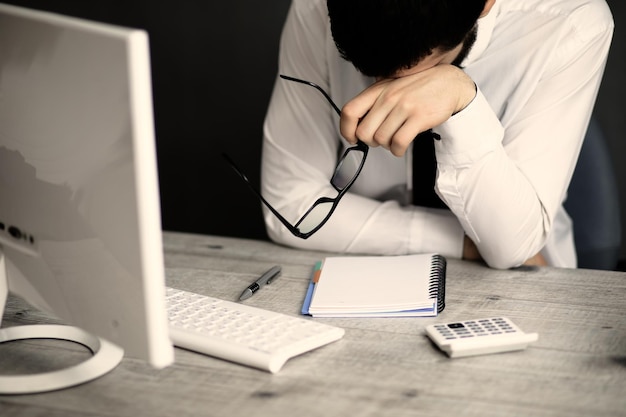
391 112
537 260
470 253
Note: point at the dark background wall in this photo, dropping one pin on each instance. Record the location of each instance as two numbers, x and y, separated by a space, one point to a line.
213 69
611 111
214 65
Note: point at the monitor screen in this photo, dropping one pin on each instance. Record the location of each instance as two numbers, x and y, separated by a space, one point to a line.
80 227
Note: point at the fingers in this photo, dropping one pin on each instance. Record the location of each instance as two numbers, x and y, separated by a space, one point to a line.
379 118
355 110
391 112
400 141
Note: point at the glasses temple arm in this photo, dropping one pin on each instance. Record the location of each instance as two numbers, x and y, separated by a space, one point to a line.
317 87
321 90
243 176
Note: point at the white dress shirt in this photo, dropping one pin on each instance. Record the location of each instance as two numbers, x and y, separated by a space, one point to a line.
504 162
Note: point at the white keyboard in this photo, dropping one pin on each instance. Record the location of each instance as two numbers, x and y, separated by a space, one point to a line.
243 334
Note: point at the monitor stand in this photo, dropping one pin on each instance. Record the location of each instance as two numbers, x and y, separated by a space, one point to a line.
106 356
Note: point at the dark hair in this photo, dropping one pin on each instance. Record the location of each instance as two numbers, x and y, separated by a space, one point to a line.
381 37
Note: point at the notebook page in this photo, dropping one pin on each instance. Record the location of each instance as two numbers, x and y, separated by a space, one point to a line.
373 284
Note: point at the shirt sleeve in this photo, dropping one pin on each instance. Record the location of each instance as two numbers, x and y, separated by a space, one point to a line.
300 150
505 181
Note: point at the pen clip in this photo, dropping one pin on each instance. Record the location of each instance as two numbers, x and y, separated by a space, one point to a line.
271 275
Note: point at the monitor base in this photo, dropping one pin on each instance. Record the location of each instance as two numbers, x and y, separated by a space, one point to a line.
106 356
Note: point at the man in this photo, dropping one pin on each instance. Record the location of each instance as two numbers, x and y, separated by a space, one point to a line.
507 85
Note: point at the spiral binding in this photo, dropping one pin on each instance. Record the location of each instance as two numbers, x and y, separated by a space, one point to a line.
437 282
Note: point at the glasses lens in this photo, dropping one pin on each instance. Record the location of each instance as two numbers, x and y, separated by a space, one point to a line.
314 217
348 168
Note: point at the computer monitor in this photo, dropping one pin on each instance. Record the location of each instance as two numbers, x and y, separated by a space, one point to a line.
80 226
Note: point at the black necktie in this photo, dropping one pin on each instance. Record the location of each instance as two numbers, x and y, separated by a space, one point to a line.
424 171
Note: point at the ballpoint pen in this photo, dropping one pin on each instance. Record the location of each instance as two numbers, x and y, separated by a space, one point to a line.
264 279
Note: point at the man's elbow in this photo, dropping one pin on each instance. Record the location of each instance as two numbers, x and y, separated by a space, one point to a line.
503 257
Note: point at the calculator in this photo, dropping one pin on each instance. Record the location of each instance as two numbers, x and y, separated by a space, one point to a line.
479 337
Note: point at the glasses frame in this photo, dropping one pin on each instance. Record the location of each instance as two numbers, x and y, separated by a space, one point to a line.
294 228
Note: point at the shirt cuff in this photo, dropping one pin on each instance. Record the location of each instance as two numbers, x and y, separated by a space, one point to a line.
469 134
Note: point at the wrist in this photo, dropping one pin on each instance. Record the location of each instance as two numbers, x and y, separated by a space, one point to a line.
462 85
466 91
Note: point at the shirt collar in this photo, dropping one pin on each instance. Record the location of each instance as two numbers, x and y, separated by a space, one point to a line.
486 25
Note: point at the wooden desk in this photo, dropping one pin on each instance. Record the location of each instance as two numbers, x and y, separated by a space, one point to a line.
382 367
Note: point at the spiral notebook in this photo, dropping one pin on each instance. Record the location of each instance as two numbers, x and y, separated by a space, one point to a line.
377 286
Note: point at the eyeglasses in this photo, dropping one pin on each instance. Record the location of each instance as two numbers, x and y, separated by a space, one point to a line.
346 172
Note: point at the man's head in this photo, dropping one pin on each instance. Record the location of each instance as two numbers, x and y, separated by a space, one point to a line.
384 37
